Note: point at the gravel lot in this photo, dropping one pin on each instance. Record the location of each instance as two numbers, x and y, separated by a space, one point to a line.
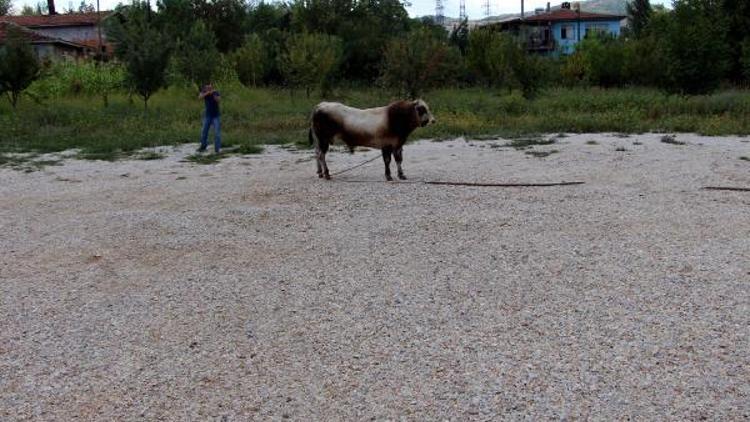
252 290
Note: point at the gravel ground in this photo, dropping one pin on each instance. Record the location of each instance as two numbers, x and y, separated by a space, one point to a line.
252 290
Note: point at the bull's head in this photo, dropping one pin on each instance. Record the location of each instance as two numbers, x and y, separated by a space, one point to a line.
423 113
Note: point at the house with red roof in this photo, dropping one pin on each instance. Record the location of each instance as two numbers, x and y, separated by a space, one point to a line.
558 31
81 29
44 46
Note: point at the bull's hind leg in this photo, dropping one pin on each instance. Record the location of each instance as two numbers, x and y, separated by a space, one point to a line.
321 156
398 154
317 163
387 161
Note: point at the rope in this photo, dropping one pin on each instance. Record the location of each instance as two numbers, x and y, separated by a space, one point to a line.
358 165
498 185
727 188
428 182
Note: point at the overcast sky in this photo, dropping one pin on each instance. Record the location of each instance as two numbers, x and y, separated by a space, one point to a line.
419 7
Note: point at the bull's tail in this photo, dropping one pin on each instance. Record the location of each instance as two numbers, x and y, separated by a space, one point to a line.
310 136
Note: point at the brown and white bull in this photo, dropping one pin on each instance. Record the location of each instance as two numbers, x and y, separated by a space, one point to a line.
385 128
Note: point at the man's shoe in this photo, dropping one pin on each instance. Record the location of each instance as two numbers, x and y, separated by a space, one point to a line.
201 149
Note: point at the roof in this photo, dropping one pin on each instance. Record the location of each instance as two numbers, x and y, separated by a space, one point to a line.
68 19
32 36
570 15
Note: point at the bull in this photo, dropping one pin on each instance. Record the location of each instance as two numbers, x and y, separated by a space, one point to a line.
385 128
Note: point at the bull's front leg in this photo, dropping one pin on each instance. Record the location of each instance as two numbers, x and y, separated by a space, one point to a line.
387 160
398 154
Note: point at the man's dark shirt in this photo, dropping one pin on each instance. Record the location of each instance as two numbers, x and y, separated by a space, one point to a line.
212 106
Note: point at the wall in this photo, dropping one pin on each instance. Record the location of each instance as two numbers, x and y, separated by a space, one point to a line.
567 46
71 33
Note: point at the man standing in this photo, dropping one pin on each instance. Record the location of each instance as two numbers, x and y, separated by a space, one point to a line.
211 99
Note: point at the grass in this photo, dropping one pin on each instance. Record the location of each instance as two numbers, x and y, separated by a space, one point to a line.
620 149
541 154
525 143
204 158
745 158
150 155
255 117
26 162
592 143
670 139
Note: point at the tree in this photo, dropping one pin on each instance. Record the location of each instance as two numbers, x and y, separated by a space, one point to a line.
226 19
492 57
645 60
460 36
144 49
696 48
251 61
416 63
263 17
364 26
86 8
309 59
745 59
604 60
102 79
6 6
19 66
197 55
27 10
737 13
639 13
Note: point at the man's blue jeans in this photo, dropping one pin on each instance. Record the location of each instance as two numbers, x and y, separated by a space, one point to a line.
207 122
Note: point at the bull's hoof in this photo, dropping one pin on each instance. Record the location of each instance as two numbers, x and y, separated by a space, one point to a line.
388 177
328 177
401 176
320 175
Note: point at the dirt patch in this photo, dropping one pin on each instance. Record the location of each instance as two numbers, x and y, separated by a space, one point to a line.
249 289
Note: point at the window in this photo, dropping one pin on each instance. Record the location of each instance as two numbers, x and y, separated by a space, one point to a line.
567 32
597 29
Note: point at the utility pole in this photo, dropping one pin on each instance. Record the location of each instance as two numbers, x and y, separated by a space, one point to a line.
439 16
462 10
99 55
486 7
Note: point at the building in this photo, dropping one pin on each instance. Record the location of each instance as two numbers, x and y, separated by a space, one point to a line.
45 47
77 28
558 31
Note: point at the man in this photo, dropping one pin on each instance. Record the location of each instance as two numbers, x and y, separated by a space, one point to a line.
211 99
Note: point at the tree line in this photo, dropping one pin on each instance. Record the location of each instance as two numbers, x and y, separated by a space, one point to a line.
316 45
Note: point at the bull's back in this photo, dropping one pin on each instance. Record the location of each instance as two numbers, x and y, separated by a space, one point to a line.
361 127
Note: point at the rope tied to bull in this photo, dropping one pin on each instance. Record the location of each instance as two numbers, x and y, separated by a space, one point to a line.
444 183
358 165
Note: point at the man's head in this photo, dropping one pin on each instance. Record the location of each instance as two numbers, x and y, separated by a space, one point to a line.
208 87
